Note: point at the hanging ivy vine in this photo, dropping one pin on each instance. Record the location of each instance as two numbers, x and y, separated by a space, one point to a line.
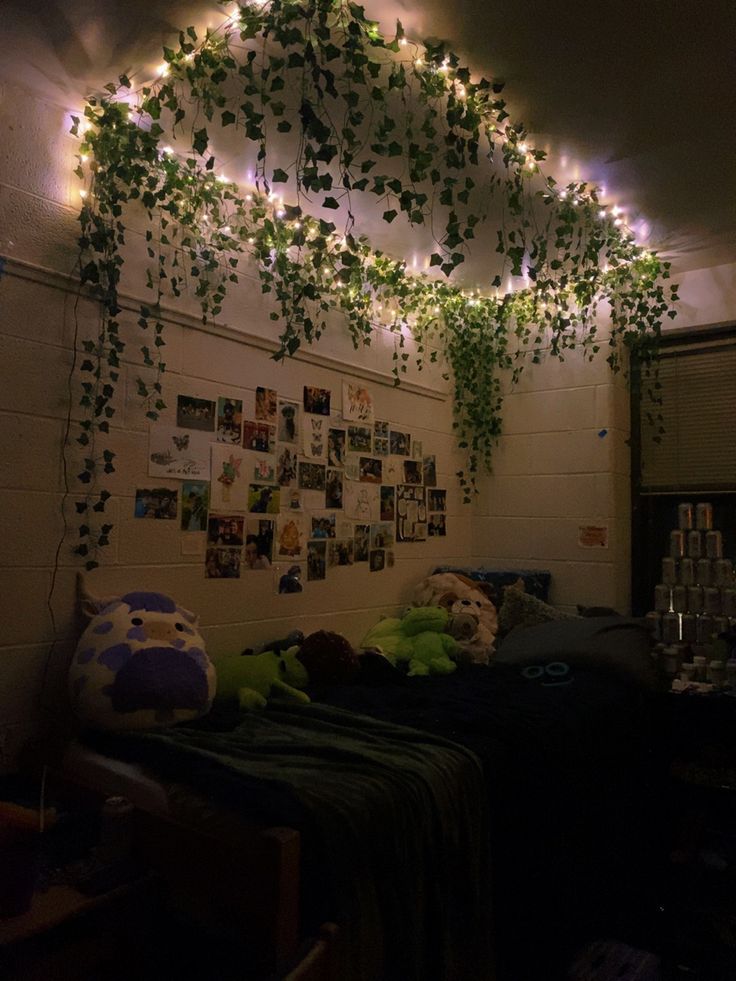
364 117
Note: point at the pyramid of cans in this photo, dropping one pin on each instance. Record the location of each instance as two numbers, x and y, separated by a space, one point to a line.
696 599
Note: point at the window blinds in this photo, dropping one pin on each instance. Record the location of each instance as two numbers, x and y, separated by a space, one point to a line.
698 448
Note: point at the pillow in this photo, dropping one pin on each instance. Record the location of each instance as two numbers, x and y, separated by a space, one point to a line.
617 644
140 663
522 610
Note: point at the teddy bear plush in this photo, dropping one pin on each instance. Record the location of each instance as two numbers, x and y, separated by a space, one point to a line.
251 679
473 620
418 641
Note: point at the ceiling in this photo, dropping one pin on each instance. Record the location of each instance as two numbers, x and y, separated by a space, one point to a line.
637 96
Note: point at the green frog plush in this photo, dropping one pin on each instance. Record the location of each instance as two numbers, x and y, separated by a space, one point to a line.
417 640
254 678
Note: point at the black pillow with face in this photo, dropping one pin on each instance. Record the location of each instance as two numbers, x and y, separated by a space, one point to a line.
550 675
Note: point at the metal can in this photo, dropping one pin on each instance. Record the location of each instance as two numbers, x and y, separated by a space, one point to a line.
654 624
695 599
670 628
704 629
677 543
704 517
685 516
714 544
704 571
669 571
695 544
712 601
686 571
688 627
728 602
679 599
723 573
720 625
662 598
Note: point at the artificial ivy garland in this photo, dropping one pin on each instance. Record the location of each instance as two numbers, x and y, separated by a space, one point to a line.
400 122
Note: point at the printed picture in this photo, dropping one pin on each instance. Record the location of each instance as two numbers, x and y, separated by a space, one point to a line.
436 525
292 499
436 499
174 452
357 403
311 476
371 470
336 447
288 578
323 526
361 540
258 551
412 472
317 400
382 535
316 560
266 404
388 503
264 499
229 420
195 496
390 559
360 439
429 471
259 436
380 446
400 443
222 563
290 536
416 450
229 488
380 429
288 422
377 560
333 488
286 461
314 437
262 467
192 413
225 529
352 466
411 513
159 502
339 552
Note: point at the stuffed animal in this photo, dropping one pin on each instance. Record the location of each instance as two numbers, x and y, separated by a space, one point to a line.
328 657
140 663
254 678
474 621
418 640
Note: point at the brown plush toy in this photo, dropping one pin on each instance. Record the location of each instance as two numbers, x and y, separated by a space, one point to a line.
328 657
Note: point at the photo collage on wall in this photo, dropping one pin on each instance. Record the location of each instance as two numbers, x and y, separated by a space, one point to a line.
291 486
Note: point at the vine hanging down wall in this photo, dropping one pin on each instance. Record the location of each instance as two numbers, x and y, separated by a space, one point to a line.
340 118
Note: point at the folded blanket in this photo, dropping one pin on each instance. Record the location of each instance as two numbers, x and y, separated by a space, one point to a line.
393 823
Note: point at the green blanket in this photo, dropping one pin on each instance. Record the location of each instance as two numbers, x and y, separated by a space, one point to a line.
393 821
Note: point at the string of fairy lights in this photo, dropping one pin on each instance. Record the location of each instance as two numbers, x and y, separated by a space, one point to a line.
518 154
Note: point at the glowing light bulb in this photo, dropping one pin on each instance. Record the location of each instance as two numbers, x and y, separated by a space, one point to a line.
419 62
167 151
251 241
563 194
618 221
403 42
83 194
280 212
222 179
248 197
163 70
226 230
615 210
523 147
297 224
84 157
602 213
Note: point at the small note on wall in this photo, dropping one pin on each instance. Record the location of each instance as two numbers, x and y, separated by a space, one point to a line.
593 536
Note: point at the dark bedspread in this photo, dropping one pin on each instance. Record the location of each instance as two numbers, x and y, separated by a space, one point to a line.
393 826
570 776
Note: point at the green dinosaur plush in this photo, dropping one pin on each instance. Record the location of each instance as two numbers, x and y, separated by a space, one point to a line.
253 678
418 640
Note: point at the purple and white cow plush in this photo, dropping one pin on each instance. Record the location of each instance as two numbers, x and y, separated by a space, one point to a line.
141 663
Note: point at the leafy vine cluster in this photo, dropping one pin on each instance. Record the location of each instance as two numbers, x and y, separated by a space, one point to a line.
360 116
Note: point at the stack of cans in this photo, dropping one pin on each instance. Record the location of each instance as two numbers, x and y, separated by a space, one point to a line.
696 599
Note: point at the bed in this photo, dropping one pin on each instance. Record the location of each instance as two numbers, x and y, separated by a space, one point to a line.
476 826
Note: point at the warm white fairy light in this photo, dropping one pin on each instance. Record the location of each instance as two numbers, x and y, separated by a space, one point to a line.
403 42
167 151
602 213
163 70
280 212
419 62
523 148
222 179
83 194
84 157
618 222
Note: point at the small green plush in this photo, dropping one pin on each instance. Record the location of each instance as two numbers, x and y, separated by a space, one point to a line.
253 678
418 639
